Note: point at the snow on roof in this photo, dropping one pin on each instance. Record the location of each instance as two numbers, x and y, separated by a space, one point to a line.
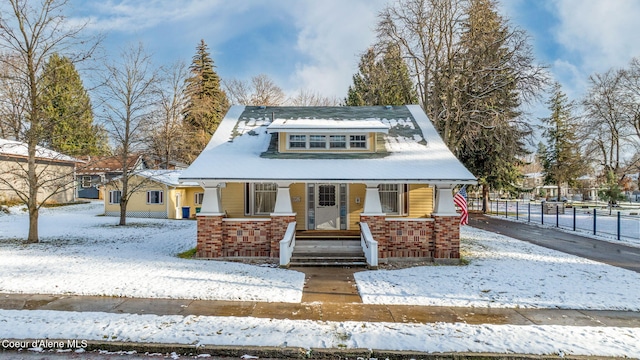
19 149
327 125
416 153
167 177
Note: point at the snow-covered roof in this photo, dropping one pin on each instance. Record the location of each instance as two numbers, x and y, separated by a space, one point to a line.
19 149
327 125
167 177
414 152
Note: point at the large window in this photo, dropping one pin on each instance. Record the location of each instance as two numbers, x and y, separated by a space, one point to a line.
317 141
393 198
115 196
260 198
154 197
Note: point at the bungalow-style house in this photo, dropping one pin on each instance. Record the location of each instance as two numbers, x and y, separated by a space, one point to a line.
156 194
97 171
382 172
55 173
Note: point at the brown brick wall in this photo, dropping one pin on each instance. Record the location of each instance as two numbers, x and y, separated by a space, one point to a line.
410 239
378 227
247 238
210 236
447 237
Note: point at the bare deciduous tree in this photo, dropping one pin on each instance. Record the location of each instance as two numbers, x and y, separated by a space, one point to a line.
309 98
128 99
262 90
30 32
166 131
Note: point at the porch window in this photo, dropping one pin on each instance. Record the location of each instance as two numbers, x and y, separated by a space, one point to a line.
198 198
260 198
115 196
327 195
86 181
393 198
358 141
297 141
317 142
154 197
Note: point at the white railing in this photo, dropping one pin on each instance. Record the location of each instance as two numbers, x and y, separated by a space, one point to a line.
369 246
287 244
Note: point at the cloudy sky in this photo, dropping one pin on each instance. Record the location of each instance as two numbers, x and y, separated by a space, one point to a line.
315 44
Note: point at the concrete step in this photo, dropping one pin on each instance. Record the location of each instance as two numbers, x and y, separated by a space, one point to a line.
328 252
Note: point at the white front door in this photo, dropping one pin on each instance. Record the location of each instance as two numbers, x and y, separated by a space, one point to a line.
327 210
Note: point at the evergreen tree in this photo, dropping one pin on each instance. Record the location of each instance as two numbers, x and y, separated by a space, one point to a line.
560 158
384 81
67 111
206 104
488 136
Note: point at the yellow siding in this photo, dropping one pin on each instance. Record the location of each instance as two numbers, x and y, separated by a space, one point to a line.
298 202
232 199
420 200
138 201
356 191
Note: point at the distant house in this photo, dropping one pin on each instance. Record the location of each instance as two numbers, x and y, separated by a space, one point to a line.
158 194
380 171
55 173
97 171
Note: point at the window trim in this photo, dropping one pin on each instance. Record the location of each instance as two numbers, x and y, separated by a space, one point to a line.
327 141
250 197
112 196
402 199
198 198
85 182
160 197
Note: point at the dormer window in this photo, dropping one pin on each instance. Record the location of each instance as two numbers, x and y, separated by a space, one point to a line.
327 135
327 142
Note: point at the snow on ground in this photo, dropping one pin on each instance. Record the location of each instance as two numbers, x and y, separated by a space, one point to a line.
85 254
233 331
504 272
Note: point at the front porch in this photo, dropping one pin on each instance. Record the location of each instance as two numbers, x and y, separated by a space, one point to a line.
433 237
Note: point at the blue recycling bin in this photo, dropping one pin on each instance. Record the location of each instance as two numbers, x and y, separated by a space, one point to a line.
186 211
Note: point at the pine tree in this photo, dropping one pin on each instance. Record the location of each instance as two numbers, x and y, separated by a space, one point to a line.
207 103
67 111
487 136
384 81
560 157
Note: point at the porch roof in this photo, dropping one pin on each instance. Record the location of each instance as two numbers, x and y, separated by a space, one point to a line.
414 150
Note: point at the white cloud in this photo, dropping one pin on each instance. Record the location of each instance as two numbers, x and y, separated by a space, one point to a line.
601 34
332 35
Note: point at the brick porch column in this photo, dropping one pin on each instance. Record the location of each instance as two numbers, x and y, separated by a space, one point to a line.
210 230
281 216
446 227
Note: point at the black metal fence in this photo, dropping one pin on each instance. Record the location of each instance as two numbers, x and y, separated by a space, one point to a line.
619 224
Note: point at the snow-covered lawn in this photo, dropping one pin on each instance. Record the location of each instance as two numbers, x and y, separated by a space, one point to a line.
233 331
504 272
85 254
82 253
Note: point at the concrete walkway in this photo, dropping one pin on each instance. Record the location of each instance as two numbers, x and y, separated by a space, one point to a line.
616 254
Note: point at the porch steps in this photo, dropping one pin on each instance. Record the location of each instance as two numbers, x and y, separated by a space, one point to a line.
327 252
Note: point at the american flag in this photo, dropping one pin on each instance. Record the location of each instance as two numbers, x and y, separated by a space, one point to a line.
460 199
